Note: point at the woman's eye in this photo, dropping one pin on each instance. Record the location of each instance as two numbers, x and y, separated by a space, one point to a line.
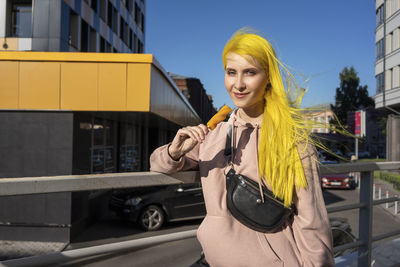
251 72
230 72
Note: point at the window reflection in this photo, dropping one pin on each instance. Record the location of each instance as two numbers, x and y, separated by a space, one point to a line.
21 19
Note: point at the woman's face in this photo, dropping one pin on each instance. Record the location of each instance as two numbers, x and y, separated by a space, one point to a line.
245 82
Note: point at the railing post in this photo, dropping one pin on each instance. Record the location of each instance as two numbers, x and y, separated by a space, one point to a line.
365 219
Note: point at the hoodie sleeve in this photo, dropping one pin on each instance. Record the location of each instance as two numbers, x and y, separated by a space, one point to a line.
311 227
161 161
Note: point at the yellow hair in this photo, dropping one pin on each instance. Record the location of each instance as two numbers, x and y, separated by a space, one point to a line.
283 127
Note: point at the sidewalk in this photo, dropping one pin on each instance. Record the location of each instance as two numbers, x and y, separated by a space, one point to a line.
387 187
383 255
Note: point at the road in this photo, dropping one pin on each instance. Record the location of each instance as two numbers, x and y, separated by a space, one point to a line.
383 221
185 252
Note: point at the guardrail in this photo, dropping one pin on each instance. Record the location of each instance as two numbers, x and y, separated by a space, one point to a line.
39 185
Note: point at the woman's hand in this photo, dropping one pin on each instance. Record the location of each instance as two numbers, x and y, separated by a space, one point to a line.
186 139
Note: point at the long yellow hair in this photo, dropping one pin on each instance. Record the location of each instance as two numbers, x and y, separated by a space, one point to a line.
283 127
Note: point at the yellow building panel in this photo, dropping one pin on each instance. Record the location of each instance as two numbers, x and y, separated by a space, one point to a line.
112 86
79 86
138 89
8 85
39 85
76 57
11 44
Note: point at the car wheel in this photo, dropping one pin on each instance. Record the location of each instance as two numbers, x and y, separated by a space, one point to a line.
152 218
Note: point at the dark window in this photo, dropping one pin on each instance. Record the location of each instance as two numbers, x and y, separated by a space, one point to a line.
135 49
130 40
103 155
137 14
140 48
102 45
115 21
84 36
142 22
103 11
108 47
380 49
21 19
73 30
126 34
130 6
129 154
380 83
121 29
83 127
110 15
93 40
380 18
93 5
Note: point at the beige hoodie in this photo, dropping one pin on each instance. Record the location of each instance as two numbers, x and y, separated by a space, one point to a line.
305 240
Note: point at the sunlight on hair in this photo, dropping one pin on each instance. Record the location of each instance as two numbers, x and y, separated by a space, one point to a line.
285 133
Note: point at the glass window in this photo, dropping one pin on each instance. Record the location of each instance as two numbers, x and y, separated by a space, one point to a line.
379 15
73 29
137 14
110 15
130 40
21 19
129 148
103 6
115 21
380 83
380 49
142 22
93 5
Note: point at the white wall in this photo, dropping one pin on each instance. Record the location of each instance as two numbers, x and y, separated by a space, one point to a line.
3 18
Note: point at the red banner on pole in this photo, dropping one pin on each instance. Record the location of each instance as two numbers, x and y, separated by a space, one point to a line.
357 124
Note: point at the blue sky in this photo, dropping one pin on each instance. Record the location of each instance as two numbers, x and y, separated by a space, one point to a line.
317 39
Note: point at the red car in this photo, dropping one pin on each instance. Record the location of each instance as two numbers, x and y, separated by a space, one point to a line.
344 181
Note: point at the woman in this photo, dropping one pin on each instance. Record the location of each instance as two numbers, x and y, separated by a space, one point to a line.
271 147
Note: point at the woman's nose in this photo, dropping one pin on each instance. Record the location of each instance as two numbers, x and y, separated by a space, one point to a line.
239 83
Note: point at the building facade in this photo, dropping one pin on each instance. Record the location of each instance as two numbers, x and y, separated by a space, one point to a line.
321 115
78 113
193 90
387 68
73 25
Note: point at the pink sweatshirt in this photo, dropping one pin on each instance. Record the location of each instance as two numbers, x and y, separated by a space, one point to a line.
305 241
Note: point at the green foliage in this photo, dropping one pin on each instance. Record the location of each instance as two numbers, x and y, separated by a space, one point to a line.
350 96
382 124
392 178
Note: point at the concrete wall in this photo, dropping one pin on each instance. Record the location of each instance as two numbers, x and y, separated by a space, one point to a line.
393 138
35 144
2 18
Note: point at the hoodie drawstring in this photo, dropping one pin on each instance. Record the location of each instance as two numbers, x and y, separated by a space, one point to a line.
233 143
258 171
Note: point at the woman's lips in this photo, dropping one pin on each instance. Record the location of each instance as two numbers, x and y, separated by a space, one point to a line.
240 95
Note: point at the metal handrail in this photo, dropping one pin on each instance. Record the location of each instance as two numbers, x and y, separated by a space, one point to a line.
38 185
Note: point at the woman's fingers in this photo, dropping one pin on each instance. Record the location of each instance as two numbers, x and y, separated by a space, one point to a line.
196 132
186 139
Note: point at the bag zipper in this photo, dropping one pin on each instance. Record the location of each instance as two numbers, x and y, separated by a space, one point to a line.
255 188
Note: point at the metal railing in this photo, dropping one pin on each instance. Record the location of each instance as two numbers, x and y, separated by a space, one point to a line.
40 185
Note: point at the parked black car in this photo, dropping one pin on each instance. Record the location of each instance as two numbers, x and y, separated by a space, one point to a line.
152 207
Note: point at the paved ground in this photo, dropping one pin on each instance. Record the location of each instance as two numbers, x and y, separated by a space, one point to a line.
383 255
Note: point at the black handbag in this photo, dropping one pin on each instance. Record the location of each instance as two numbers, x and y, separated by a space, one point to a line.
244 200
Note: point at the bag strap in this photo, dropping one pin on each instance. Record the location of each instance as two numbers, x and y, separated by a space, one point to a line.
228 144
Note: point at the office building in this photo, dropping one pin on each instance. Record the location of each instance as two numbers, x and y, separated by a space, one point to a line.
193 90
387 69
73 25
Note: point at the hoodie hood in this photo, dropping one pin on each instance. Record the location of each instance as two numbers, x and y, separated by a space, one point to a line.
239 122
